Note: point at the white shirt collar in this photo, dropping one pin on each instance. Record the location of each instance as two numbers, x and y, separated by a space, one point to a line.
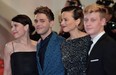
95 39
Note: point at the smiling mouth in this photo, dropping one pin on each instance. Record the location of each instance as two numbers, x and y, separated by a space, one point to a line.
38 28
88 28
63 26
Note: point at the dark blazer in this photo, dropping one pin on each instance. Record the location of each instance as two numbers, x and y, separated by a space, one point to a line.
52 61
102 59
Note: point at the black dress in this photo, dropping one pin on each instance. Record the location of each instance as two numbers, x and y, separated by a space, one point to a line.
74 55
24 63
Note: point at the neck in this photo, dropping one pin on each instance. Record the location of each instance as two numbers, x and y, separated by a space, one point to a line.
45 35
77 34
24 40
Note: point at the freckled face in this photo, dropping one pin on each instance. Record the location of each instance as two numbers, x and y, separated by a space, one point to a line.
18 30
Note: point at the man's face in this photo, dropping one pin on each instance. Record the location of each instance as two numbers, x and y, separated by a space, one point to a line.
93 23
42 24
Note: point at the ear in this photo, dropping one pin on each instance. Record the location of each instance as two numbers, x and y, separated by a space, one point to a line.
51 23
78 22
26 27
103 21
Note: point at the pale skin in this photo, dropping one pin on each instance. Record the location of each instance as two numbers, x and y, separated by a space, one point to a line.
93 23
22 43
69 24
43 25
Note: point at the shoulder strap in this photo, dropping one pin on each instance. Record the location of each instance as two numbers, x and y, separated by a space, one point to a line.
13 46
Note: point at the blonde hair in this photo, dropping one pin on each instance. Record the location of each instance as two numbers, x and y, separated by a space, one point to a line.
96 8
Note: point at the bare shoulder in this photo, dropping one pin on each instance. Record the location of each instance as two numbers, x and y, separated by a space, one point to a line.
9 46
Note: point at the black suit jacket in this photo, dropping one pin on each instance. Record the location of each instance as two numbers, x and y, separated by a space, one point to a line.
102 59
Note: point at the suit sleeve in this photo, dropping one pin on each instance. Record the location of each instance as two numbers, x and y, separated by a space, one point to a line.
109 57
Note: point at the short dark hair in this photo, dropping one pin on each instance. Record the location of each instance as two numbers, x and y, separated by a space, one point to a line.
45 10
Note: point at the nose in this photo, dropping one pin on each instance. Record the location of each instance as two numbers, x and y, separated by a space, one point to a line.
87 23
36 24
62 23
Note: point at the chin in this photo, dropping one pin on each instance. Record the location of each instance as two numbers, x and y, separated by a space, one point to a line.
39 32
16 37
65 30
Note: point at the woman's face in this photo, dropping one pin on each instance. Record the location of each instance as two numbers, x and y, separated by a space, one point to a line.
18 30
68 23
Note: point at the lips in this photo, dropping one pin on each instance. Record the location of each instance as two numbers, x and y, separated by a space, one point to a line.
63 26
38 27
88 27
14 33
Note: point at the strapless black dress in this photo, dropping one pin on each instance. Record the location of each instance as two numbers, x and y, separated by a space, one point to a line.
24 63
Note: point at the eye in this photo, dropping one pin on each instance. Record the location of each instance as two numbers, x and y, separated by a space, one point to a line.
42 21
85 20
93 20
35 20
65 19
15 25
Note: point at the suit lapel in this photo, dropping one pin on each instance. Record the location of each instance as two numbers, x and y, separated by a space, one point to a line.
49 51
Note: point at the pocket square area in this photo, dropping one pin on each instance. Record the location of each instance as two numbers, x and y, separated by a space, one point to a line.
94 60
